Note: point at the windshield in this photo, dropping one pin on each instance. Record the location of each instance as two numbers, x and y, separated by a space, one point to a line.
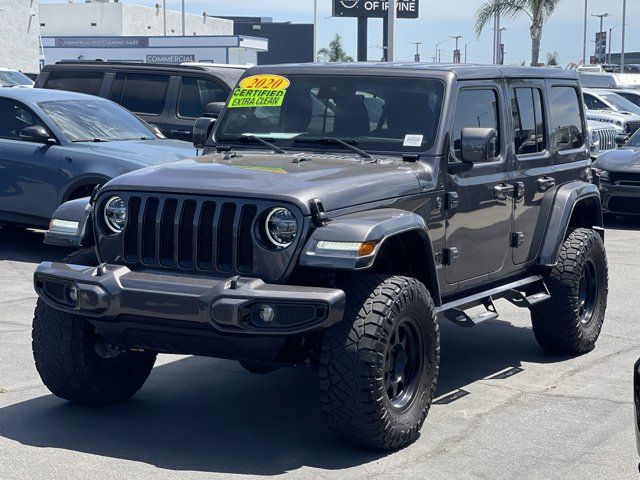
95 120
634 141
11 79
621 103
376 113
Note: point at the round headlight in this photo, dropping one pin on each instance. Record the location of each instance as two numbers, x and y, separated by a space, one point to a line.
115 214
281 227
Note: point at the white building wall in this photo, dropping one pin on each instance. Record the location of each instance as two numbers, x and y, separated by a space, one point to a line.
115 19
19 39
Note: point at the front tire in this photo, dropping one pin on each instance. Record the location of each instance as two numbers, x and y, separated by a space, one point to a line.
570 322
379 366
75 364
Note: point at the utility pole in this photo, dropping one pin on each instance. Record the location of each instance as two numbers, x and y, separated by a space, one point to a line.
610 40
496 38
391 35
164 16
584 41
417 56
500 48
183 19
624 21
456 52
465 51
315 31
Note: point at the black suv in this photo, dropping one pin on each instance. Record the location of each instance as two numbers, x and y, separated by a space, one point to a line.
338 212
170 97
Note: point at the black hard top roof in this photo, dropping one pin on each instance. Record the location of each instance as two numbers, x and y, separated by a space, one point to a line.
463 71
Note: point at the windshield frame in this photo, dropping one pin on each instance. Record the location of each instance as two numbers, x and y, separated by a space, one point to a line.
288 142
62 133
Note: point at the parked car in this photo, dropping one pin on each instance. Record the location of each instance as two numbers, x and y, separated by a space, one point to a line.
631 94
618 176
14 78
337 212
171 97
606 108
606 99
56 146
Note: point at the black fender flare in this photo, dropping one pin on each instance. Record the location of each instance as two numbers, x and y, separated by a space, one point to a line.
90 179
369 226
567 198
80 211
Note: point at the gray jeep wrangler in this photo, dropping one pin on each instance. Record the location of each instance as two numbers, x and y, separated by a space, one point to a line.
337 214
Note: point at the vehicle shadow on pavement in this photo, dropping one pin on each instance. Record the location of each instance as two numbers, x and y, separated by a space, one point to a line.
622 223
22 245
210 415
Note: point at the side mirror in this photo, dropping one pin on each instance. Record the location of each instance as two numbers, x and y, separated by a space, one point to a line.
478 145
36 134
213 109
202 130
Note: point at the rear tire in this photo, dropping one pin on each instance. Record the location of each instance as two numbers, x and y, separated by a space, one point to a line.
75 364
379 366
570 322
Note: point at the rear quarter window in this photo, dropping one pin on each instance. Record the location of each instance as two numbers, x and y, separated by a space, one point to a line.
566 119
75 81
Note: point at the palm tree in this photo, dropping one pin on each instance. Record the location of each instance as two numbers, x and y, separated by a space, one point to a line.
537 10
552 58
335 52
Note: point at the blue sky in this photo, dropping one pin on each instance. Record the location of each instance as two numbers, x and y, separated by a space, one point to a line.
438 20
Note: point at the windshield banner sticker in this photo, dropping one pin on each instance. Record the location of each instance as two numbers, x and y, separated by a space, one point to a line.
412 140
259 91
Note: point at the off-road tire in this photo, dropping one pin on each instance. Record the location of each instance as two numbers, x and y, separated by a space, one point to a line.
557 322
66 355
352 362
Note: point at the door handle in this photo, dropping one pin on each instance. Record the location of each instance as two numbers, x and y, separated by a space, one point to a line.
503 190
546 183
181 132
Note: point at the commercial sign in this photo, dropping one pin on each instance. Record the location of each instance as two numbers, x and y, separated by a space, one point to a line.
102 42
374 8
601 47
170 58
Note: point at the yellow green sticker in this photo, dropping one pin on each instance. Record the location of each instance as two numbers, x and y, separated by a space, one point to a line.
261 169
259 91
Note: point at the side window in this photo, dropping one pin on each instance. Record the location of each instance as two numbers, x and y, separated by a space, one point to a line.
566 122
78 81
475 108
526 107
593 103
195 94
14 116
140 93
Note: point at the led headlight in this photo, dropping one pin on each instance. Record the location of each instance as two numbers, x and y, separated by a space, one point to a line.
281 227
115 214
595 142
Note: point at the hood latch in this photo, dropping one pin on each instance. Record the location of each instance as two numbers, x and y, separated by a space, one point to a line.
318 215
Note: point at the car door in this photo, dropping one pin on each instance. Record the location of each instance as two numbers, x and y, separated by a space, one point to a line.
194 93
28 171
479 203
532 166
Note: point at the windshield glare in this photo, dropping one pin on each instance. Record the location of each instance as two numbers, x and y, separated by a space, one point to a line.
621 103
11 79
95 120
377 114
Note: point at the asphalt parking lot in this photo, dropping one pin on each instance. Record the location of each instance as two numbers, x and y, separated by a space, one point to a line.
527 414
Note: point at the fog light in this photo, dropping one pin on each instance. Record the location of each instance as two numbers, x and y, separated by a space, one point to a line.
267 313
73 293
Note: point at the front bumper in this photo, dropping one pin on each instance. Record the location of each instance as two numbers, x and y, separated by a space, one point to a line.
114 293
620 199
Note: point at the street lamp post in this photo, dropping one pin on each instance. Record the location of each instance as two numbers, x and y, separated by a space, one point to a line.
391 35
584 42
601 16
417 56
183 19
610 41
624 21
438 50
456 52
465 50
315 30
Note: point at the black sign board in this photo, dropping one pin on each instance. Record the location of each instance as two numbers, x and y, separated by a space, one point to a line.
374 8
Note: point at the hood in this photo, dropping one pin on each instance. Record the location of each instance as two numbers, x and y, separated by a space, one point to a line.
625 159
611 115
338 181
146 152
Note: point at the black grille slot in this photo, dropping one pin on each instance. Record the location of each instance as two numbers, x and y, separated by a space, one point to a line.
622 178
131 232
167 232
149 231
245 239
624 205
225 237
631 127
206 232
185 237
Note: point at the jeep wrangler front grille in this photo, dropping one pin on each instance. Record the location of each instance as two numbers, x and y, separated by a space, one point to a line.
631 127
190 234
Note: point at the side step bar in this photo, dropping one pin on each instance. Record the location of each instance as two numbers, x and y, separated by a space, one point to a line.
523 293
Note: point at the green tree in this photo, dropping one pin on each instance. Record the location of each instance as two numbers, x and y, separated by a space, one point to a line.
537 10
552 58
335 52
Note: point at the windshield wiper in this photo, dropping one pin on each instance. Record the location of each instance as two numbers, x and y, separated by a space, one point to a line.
95 140
334 141
253 138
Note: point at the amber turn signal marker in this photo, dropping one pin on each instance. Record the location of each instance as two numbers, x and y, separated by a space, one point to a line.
366 248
